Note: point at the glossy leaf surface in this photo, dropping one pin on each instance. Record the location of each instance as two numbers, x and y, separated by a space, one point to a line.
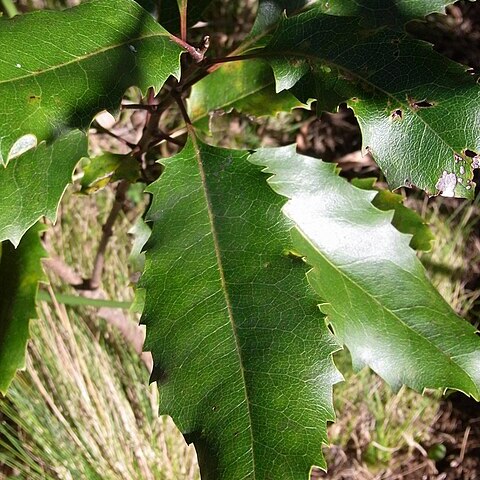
418 111
32 185
78 62
20 273
405 219
242 354
377 296
107 168
247 86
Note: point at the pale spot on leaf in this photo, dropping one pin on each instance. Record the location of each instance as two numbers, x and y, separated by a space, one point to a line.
446 184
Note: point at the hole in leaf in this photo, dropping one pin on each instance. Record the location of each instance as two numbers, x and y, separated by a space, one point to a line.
446 184
470 154
158 375
397 114
422 104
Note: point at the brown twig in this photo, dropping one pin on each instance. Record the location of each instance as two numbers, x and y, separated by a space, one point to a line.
198 54
183 19
165 137
139 106
181 106
129 330
107 231
235 58
103 130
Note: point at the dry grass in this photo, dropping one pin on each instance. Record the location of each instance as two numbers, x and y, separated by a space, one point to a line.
83 410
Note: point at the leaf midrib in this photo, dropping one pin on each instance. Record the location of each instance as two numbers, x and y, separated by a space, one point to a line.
82 58
221 272
382 307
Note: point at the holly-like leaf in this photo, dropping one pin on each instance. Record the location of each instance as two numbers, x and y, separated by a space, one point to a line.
247 86
378 299
33 184
60 68
20 273
228 311
405 219
417 110
384 12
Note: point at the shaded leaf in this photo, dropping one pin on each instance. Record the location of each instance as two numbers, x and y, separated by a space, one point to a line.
405 219
32 185
60 68
384 12
247 86
229 311
417 110
20 273
378 298
270 13
107 168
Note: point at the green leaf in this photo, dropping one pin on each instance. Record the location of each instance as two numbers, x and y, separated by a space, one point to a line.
405 219
61 68
33 184
107 168
417 110
140 232
384 12
76 300
20 273
228 310
378 299
247 86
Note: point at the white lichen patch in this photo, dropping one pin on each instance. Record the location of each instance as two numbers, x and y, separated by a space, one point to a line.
476 161
446 184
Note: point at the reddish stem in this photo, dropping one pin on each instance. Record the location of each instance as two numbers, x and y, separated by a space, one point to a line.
183 20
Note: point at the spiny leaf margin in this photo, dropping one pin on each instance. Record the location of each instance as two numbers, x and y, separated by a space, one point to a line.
417 110
60 68
20 274
33 184
378 299
229 310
